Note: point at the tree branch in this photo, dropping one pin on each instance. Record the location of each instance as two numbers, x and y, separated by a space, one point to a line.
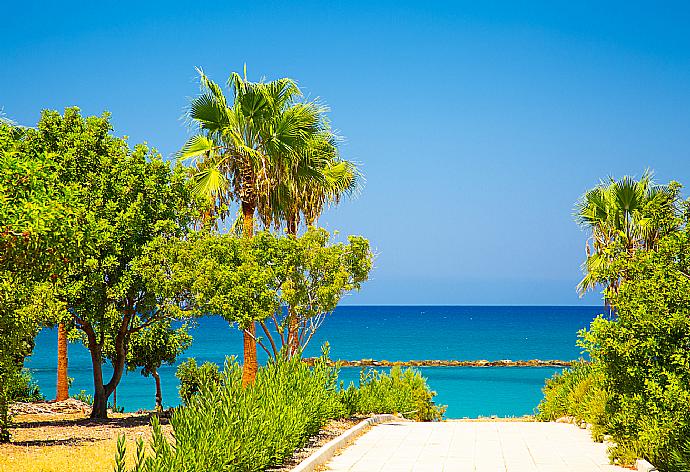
270 338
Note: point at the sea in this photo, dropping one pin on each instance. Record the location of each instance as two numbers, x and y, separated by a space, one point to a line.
394 333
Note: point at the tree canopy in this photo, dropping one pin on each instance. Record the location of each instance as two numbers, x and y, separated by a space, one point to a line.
129 197
39 235
255 280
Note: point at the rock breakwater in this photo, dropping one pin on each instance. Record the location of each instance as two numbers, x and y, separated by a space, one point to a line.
444 363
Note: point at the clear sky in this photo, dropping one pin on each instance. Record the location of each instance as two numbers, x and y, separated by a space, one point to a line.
478 124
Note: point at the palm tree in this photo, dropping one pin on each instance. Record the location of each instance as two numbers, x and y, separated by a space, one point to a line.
242 151
319 178
624 216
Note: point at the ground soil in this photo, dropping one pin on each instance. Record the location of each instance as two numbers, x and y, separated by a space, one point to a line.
59 437
72 442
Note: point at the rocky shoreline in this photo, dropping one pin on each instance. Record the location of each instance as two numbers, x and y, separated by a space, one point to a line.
445 363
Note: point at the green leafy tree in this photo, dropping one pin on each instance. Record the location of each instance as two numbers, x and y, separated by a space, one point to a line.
154 346
39 232
644 353
254 280
130 197
311 275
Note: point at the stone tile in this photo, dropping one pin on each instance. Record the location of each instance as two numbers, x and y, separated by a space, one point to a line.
474 446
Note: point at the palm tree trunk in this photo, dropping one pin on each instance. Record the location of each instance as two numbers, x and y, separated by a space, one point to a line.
62 382
293 325
247 219
251 364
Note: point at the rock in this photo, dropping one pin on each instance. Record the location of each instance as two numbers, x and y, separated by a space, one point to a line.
68 406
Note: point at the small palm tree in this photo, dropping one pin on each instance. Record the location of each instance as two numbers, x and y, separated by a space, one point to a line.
623 216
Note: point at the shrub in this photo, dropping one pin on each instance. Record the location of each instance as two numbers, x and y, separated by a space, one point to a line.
230 428
644 354
223 426
24 388
192 377
83 396
681 457
400 392
576 392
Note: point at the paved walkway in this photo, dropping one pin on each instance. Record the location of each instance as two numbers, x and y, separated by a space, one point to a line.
460 446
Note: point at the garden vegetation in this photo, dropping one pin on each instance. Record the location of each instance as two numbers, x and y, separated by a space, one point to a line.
637 388
122 250
224 426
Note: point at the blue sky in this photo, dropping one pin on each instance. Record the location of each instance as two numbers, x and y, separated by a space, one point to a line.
478 124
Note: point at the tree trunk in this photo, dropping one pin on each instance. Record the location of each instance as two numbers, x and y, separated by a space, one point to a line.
99 410
293 332
247 219
62 383
159 394
250 365
102 392
293 322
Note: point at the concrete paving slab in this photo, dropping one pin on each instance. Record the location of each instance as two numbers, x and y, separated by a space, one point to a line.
459 446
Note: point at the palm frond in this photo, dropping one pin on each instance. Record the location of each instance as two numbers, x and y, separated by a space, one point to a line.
196 146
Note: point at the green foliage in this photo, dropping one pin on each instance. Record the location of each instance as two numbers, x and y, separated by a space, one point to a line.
223 426
644 352
681 457
39 232
155 345
576 392
83 396
624 216
128 197
193 377
253 280
402 392
230 428
24 388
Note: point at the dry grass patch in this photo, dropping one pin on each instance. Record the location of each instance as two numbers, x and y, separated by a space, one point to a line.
71 442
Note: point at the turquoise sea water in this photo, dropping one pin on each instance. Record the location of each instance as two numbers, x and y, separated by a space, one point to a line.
385 332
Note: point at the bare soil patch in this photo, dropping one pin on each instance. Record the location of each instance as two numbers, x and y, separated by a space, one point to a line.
59 442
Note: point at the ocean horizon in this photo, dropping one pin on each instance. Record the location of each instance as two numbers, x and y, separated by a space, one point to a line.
382 332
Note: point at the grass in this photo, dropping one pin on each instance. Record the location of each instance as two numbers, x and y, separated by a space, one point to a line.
70 442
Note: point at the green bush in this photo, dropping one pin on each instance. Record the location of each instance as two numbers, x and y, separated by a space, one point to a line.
576 392
84 396
681 457
230 428
192 377
644 354
24 388
223 426
402 392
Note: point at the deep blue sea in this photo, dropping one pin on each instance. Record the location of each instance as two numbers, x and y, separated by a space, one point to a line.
384 332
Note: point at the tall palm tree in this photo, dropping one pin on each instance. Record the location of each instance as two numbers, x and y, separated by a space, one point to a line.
241 151
624 216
